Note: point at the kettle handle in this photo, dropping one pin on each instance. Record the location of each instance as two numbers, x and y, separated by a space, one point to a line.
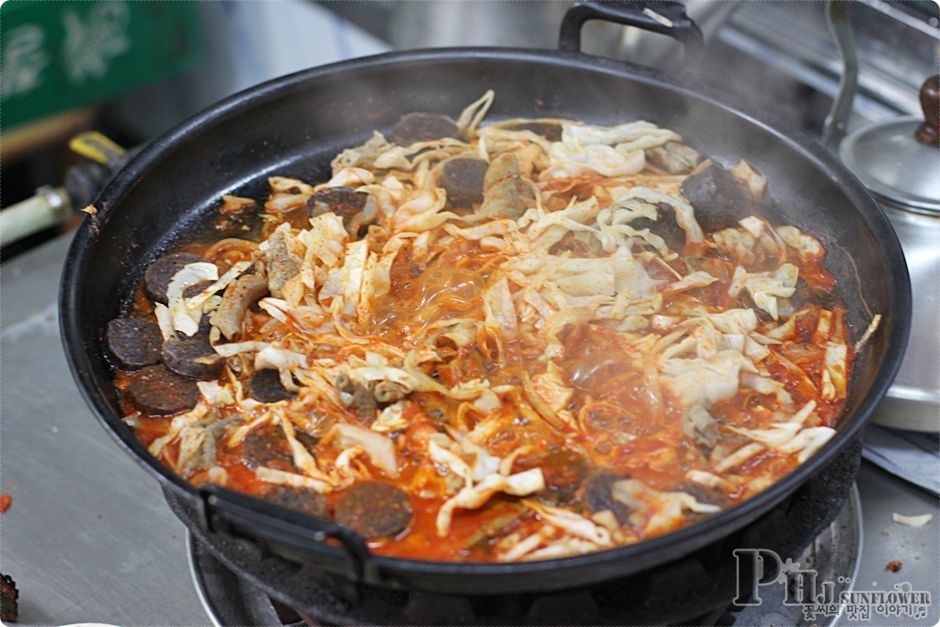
838 119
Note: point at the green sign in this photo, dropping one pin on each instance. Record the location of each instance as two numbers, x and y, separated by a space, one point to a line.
56 55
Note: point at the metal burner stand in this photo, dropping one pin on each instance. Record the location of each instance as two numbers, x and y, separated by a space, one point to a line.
230 600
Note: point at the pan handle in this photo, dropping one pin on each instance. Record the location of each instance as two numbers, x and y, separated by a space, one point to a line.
667 18
237 515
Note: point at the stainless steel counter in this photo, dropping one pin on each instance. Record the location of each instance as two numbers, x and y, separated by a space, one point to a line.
89 537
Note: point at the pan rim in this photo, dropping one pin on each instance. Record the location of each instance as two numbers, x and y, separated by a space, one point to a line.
898 326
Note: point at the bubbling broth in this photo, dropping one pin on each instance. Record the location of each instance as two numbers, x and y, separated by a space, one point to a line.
513 341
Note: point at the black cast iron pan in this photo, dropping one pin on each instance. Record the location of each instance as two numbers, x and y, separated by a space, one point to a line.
294 125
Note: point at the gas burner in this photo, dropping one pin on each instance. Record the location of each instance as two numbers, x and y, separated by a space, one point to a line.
230 600
819 526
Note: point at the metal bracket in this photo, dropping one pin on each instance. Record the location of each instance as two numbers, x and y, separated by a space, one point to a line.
838 119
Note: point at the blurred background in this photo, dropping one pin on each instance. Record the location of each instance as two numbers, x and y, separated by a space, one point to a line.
132 70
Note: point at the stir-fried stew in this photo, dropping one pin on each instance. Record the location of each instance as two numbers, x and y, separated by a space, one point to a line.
519 340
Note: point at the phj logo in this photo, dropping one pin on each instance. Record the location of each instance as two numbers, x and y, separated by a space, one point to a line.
758 568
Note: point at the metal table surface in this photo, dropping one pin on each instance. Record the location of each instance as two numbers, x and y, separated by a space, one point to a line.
89 537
